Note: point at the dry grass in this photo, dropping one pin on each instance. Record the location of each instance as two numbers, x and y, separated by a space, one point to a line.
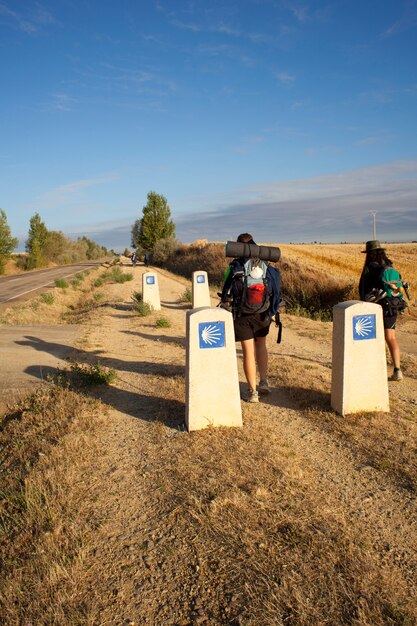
268 550
43 441
383 442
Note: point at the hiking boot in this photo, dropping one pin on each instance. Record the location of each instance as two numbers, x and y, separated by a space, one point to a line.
251 396
263 386
397 375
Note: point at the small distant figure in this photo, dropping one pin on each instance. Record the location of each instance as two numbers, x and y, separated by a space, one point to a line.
134 258
382 284
146 259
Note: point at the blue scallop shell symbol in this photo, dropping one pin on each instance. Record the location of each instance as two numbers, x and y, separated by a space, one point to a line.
211 334
150 280
364 327
201 278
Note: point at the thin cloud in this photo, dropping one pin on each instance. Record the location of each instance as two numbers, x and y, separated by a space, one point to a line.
64 194
61 102
30 22
285 77
406 21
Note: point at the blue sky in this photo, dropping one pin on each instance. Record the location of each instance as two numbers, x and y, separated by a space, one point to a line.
292 120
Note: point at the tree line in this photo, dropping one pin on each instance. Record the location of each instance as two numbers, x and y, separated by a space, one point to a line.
45 246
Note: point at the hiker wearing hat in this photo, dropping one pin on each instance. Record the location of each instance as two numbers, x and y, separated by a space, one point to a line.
251 292
373 288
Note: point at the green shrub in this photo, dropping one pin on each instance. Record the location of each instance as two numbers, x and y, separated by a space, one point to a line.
48 297
163 322
97 296
95 374
118 276
61 283
139 306
99 282
163 250
186 296
80 276
75 283
137 297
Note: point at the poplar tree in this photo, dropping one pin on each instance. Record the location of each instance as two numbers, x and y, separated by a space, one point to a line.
7 242
156 222
36 242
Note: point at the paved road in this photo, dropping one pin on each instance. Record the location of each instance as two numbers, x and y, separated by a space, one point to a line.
29 354
24 286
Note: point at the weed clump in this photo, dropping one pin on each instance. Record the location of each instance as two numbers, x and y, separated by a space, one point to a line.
61 283
118 276
92 374
186 296
163 322
139 306
47 298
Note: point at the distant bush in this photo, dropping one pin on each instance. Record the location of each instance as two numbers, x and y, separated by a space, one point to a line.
164 250
163 322
61 283
184 260
118 276
48 297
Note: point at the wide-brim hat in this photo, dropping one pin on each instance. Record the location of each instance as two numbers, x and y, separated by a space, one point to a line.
373 246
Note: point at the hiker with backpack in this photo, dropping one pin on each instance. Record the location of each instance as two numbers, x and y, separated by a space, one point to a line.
251 292
382 284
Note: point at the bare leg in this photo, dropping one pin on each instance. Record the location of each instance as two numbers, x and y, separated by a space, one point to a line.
393 346
261 357
249 362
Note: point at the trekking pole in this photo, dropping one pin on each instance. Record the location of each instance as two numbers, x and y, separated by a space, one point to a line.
278 325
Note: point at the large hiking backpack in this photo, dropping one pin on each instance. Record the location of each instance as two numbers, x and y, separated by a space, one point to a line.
395 289
250 289
391 292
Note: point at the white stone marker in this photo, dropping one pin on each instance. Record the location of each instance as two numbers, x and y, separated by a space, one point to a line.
359 370
150 290
212 382
201 293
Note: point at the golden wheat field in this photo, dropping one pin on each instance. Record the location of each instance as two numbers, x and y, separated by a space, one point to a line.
344 262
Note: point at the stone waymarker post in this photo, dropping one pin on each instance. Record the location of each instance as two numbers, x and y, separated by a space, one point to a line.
150 290
359 370
201 293
212 383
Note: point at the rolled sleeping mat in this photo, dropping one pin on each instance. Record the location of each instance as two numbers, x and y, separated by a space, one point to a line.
252 251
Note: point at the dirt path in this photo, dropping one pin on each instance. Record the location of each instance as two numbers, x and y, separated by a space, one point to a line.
259 526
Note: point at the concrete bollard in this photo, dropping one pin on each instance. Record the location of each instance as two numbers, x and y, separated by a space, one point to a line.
150 290
201 293
359 365
212 382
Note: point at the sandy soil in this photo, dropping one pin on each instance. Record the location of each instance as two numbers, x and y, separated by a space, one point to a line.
140 565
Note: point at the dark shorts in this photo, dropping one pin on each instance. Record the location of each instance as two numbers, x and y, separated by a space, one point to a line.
389 320
252 326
